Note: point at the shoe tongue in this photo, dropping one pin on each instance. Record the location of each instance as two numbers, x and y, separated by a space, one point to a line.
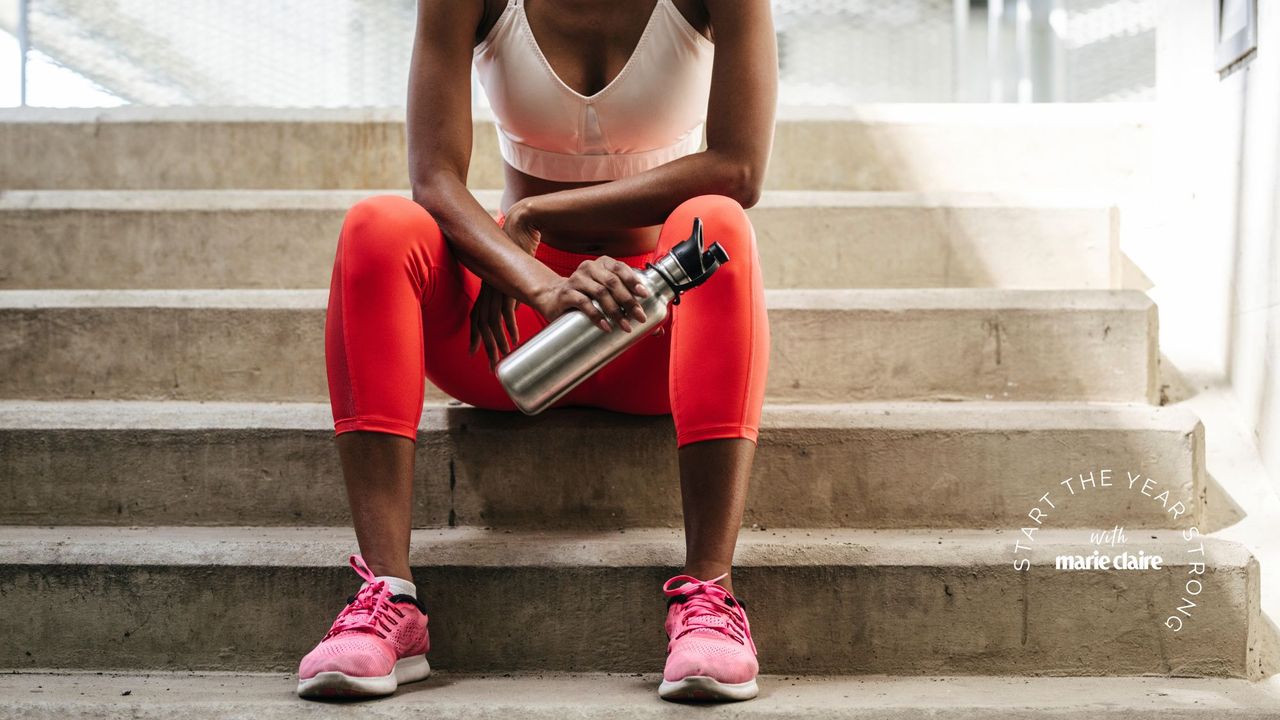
710 613
707 624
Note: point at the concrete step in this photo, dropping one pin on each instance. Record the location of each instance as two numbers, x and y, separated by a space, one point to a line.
553 696
285 239
828 345
822 601
883 465
912 147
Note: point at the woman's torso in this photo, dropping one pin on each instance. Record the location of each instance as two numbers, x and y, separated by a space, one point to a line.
586 43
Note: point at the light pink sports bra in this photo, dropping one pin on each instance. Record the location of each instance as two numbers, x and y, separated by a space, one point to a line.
650 114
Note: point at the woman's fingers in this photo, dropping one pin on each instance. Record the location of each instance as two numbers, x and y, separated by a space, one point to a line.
629 288
585 282
493 324
616 287
479 326
493 310
491 345
614 296
474 343
509 305
583 301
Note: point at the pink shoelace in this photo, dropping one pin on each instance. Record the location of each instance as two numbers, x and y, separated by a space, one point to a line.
371 610
709 607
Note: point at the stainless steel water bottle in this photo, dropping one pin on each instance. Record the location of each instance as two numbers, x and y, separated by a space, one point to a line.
574 347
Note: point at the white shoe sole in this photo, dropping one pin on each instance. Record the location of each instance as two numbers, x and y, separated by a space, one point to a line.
706 689
338 685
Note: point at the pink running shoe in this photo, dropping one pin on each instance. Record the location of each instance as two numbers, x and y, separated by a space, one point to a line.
378 641
711 655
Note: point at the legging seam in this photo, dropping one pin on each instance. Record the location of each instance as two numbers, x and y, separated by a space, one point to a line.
342 308
714 432
431 280
751 342
384 425
673 373
365 417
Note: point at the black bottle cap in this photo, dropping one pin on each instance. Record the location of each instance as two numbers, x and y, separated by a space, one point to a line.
698 263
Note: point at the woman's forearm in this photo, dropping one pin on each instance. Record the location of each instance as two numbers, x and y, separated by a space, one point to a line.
643 199
479 243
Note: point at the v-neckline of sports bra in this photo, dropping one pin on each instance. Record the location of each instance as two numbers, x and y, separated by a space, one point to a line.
631 59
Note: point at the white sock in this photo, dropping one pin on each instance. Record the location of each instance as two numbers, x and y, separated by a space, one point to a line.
398 586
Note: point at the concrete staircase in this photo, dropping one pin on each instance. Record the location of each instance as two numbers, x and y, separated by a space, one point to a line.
951 341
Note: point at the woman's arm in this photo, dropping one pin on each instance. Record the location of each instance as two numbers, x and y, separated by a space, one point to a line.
740 117
439 138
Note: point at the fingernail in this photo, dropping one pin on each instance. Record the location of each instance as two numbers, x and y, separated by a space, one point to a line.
625 325
604 326
642 291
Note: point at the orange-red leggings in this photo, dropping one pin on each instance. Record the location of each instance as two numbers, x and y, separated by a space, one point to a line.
399 311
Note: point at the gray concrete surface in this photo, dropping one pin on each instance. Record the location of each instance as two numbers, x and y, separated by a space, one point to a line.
551 696
880 465
561 573
822 601
827 345
947 147
285 239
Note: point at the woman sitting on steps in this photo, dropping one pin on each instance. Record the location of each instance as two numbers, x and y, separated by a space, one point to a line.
600 107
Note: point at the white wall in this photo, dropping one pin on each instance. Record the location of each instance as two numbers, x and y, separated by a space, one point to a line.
1212 245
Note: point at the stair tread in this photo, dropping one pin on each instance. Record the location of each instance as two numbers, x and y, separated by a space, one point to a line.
870 465
633 547
878 299
898 603
988 415
557 696
872 147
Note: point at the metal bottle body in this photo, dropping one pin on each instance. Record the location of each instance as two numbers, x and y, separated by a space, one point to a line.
573 347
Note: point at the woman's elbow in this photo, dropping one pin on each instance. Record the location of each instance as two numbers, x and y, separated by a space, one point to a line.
746 182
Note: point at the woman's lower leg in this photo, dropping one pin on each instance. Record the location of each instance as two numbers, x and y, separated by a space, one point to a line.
719 362
714 475
374 355
378 470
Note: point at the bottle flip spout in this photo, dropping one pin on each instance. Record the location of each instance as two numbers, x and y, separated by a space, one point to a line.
688 265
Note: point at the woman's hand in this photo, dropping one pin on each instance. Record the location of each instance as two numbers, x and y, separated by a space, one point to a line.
601 288
517 223
493 317
492 311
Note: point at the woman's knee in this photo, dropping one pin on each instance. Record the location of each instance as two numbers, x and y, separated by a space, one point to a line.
386 230
724 221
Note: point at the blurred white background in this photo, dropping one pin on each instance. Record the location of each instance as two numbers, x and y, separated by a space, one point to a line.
354 53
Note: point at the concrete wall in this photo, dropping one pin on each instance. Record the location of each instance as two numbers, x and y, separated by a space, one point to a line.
1211 243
